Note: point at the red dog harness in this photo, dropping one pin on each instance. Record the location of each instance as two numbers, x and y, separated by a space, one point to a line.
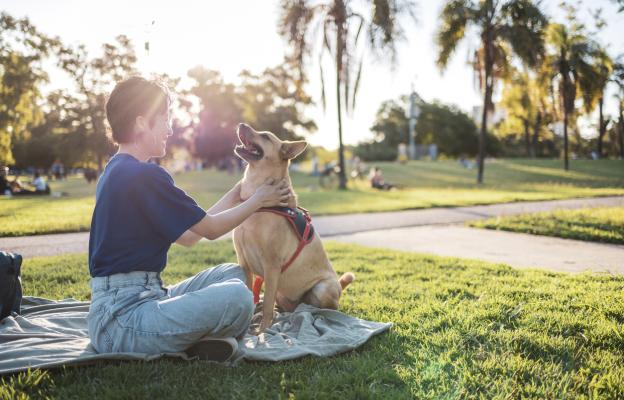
301 222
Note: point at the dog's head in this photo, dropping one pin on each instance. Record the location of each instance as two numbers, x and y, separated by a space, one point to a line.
264 149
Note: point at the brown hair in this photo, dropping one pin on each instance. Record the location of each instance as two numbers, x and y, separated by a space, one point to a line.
133 97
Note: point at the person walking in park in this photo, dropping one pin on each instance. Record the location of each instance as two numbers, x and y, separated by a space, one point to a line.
139 212
5 186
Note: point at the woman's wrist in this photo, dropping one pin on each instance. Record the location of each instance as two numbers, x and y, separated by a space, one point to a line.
254 201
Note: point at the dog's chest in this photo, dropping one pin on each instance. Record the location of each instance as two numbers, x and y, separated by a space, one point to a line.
270 239
260 233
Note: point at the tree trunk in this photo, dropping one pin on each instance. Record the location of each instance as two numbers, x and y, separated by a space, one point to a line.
527 137
602 127
536 129
621 126
566 110
487 97
566 165
342 175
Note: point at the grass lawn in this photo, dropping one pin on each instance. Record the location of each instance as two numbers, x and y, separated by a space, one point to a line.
604 224
463 329
424 184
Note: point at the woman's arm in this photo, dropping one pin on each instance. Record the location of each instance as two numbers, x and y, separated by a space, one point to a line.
188 239
213 226
229 200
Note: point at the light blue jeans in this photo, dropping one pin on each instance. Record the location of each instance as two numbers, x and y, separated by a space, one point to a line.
133 312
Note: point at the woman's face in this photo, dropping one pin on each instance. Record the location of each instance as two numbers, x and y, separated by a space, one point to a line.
154 138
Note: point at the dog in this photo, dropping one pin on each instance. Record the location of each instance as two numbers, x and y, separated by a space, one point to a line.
265 242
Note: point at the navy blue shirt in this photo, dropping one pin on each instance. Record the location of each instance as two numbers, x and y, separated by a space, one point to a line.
139 213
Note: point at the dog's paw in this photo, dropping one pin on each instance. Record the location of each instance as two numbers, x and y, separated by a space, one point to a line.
265 325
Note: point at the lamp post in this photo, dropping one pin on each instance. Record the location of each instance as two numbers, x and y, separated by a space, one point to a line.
414 112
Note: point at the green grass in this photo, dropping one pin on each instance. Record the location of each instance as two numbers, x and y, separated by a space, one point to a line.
424 184
593 224
463 329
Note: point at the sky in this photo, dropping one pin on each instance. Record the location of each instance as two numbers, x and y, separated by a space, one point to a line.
233 35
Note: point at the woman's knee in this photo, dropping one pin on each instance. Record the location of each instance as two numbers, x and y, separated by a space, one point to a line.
234 271
242 295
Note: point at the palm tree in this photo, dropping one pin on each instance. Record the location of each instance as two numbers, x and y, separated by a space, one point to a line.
341 24
602 70
504 27
618 79
546 107
519 103
569 56
525 99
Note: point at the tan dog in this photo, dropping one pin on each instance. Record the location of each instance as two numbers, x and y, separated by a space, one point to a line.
266 241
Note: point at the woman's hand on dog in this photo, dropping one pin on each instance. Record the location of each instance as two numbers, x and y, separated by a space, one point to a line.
273 193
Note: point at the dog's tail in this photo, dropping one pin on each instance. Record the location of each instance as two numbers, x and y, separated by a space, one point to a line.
346 279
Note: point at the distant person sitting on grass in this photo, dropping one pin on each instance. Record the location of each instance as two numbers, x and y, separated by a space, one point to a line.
16 188
465 162
139 213
377 180
41 186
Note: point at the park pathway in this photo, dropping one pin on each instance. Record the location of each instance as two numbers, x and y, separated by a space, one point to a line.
519 250
433 230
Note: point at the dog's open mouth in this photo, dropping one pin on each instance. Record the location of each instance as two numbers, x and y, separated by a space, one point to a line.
248 150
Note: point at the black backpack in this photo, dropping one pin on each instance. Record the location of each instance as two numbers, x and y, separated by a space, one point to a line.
10 284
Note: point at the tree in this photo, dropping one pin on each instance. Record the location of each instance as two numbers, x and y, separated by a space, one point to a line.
94 78
389 129
618 79
450 129
342 24
22 49
569 54
213 136
273 101
518 99
525 98
63 134
503 26
594 88
602 69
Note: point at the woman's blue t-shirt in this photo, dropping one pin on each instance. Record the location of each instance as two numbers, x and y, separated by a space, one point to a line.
139 213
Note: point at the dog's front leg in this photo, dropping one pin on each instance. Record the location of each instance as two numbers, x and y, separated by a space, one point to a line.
240 255
271 281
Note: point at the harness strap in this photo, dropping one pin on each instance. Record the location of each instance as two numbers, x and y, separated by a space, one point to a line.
257 286
303 241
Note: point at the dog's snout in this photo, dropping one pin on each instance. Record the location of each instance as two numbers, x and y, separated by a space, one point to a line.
243 128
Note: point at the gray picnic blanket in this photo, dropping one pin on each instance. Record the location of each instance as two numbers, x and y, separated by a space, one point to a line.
51 333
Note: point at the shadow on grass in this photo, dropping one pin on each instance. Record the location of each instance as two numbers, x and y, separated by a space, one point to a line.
462 329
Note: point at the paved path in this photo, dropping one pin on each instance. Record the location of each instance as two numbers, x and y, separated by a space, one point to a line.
516 249
352 223
430 233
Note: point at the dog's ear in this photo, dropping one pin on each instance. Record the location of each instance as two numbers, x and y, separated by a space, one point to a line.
290 150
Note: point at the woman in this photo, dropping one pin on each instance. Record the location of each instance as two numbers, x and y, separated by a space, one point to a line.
139 213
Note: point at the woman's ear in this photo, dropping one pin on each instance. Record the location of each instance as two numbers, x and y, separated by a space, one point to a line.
290 150
140 125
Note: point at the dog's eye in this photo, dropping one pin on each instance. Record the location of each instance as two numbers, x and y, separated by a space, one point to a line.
265 136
